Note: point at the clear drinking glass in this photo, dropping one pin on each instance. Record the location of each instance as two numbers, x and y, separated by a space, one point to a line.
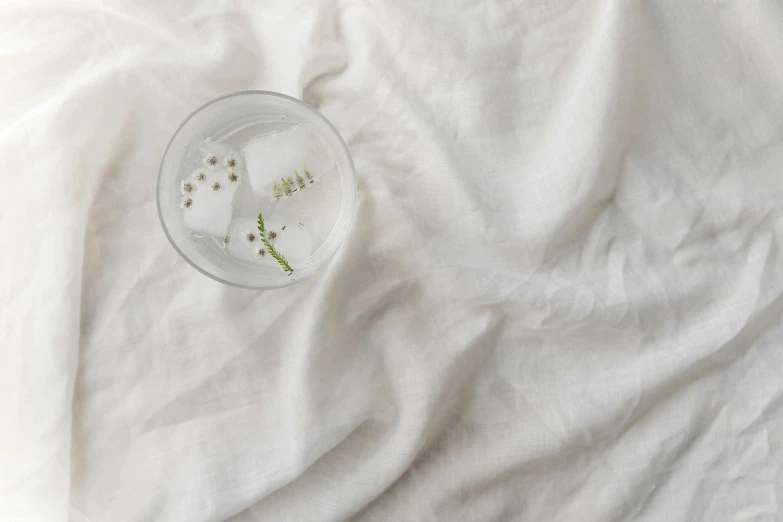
324 210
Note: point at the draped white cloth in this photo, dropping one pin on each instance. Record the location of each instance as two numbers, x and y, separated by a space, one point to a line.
561 299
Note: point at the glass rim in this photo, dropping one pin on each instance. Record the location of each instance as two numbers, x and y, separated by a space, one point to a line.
320 257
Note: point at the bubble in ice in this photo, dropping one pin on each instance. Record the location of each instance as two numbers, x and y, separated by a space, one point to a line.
284 163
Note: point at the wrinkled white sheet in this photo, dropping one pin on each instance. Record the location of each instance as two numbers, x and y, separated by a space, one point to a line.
561 299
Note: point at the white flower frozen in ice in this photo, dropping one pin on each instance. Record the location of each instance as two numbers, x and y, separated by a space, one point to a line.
230 162
261 252
232 177
199 175
250 236
186 203
187 187
211 160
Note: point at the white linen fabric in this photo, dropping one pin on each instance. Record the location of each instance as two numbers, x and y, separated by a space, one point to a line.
561 299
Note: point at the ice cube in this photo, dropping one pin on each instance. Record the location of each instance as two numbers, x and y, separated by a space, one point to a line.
210 211
292 159
242 247
294 243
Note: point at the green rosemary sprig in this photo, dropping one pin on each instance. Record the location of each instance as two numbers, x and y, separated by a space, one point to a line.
274 253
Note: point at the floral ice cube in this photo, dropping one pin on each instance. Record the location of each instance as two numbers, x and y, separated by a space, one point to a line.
244 239
210 211
284 163
293 242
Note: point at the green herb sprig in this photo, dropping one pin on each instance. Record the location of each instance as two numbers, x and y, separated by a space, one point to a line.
300 181
274 253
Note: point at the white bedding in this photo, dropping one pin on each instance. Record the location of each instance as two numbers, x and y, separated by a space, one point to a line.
561 300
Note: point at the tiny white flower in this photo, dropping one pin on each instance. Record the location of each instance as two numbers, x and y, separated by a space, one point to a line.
186 203
216 186
261 252
230 162
211 160
250 236
232 177
200 176
187 187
